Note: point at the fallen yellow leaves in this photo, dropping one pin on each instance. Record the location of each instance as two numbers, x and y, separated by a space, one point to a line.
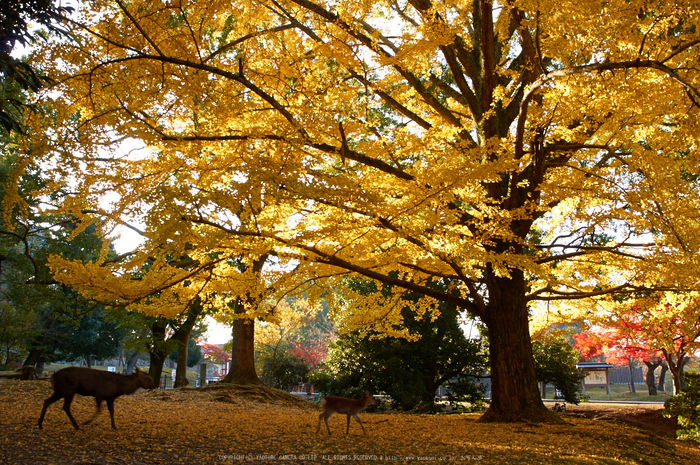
221 427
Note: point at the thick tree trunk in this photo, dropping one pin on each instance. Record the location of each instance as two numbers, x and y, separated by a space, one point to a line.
515 394
675 363
677 381
662 378
157 349
650 379
34 354
243 352
155 369
181 371
131 364
37 347
431 381
630 365
182 337
676 370
243 338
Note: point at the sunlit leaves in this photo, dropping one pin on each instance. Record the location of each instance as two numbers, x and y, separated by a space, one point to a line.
368 138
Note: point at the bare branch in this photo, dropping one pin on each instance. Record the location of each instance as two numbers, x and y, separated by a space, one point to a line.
577 295
242 39
681 49
587 251
138 26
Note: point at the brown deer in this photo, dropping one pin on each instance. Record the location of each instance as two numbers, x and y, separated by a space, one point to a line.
102 385
350 407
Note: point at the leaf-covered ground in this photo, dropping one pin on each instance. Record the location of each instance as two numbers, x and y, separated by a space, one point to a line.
225 425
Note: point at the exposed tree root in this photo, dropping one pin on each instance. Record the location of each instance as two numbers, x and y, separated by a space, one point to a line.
534 415
27 373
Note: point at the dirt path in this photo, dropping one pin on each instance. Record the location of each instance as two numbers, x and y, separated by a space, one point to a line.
646 416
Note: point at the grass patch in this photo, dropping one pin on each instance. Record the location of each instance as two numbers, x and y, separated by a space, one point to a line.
622 392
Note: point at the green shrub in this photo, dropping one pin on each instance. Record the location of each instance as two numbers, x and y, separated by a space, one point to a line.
686 406
555 363
465 394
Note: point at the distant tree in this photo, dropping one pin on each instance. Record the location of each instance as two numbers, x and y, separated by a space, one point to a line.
194 351
215 353
312 352
652 364
97 335
613 347
292 342
130 359
283 370
655 326
555 363
435 352
136 339
49 313
182 333
661 385
15 328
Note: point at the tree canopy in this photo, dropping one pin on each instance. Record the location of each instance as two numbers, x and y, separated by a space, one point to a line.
522 150
16 17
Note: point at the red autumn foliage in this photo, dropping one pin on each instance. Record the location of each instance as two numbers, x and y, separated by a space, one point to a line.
312 352
215 353
650 328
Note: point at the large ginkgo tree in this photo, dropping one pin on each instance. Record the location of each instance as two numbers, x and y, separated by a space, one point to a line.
518 150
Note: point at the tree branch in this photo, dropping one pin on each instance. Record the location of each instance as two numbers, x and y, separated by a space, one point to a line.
693 93
138 26
334 260
577 295
242 39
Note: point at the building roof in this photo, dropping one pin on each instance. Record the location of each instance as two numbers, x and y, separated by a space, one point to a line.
594 365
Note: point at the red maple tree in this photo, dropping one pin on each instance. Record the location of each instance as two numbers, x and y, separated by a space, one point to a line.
654 329
312 351
215 353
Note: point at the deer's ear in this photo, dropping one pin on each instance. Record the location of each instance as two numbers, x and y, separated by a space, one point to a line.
137 370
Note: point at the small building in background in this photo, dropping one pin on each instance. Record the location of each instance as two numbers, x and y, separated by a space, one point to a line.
597 375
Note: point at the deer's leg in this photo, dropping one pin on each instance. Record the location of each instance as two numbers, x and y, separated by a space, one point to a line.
66 408
56 396
324 416
97 412
318 426
110 406
358 420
